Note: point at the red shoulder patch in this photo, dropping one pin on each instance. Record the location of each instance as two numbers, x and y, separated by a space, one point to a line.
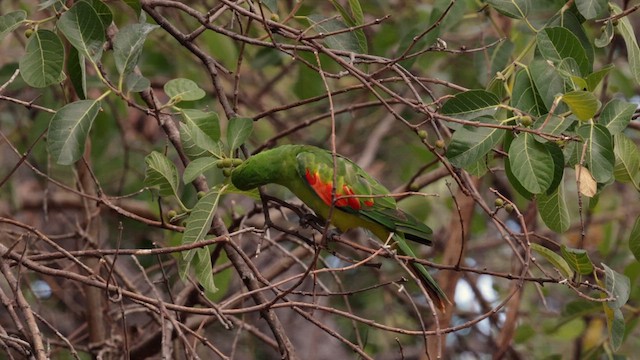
323 190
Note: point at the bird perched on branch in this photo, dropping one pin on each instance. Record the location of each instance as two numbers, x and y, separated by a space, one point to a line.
358 200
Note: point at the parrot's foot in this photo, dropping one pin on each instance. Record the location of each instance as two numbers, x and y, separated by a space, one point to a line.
308 219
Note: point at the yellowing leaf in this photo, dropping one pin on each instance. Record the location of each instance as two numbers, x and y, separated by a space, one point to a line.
587 185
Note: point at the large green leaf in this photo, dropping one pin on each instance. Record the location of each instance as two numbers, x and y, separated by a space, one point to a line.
558 165
83 28
69 129
616 115
599 157
548 83
618 285
353 19
592 9
161 173
615 325
470 144
203 268
583 104
558 43
594 79
200 133
77 70
553 210
127 47
578 259
238 131
11 21
103 11
556 260
627 165
199 222
634 239
197 167
42 64
553 125
345 40
531 163
626 30
183 90
470 105
525 96
517 9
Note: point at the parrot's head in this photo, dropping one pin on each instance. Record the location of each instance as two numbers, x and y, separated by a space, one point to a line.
248 175
276 165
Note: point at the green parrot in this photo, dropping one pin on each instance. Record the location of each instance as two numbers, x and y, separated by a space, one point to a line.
308 172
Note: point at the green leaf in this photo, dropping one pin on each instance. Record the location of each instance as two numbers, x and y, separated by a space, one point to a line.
556 260
199 222
583 104
627 165
548 83
238 131
161 173
197 167
592 9
556 125
127 47
517 9
570 20
578 259
69 129
470 144
634 239
599 156
633 52
558 165
616 115
580 308
525 96
77 71
200 132
470 105
204 274
183 90
553 210
508 140
82 26
42 64
355 18
136 83
103 11
135 5
618 285
272 5
11 21
345 41
531 163
478 168
615 325
594 79
558 43
606 36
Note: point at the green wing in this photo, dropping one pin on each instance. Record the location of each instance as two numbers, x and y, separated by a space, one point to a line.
315 167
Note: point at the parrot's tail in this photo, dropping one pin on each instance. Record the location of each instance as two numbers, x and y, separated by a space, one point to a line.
436 294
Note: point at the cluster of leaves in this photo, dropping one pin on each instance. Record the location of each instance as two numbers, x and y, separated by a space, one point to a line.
546 116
